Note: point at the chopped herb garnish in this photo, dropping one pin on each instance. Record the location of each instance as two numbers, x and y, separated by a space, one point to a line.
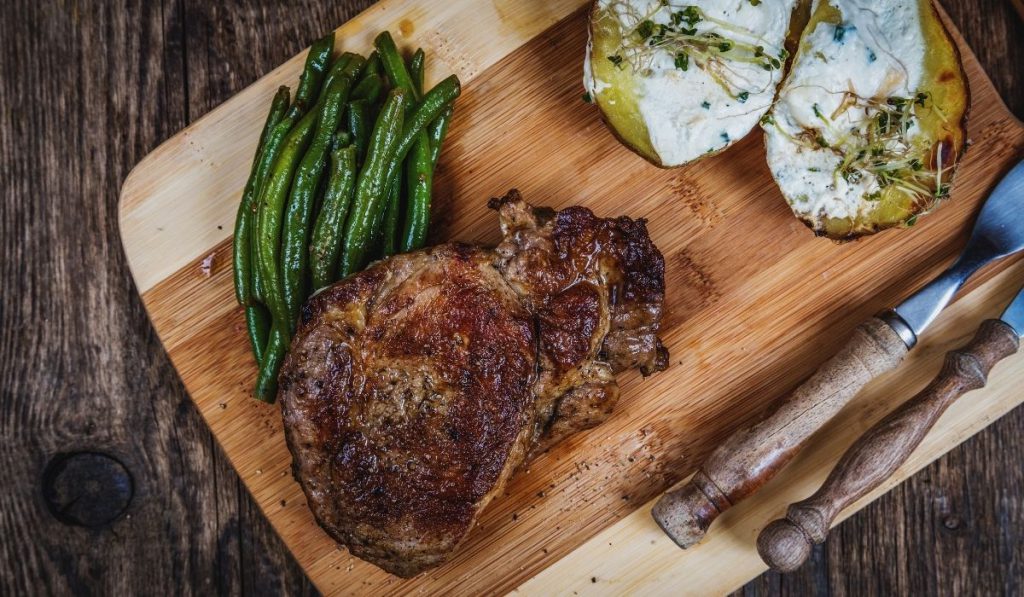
615 59
588 98
839 33
692 15
645 29
706 105
682 61
743 97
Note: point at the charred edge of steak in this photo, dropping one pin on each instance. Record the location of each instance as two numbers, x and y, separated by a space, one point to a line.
570 244
596 287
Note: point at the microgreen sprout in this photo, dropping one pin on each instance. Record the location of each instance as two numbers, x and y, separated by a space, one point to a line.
692 38
879 146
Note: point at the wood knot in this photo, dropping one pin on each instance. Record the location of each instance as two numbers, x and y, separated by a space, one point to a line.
87 489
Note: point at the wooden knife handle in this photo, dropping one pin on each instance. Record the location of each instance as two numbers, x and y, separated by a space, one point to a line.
749 458
785 544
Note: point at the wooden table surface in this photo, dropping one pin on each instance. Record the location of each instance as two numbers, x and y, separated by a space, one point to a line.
111 482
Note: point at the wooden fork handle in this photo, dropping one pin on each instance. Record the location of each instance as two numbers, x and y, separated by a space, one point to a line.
785 544
751 457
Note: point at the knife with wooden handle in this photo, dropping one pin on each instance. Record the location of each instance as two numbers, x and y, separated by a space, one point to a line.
751 457
785 544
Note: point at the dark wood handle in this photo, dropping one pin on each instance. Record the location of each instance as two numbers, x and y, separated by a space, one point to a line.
785 544
749 458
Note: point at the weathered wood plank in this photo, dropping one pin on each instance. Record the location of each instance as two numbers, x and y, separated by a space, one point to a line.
91 87
744 323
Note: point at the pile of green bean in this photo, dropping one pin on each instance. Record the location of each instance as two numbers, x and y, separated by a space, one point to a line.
342 175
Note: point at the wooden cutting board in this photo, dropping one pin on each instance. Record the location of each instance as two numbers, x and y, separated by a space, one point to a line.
754 304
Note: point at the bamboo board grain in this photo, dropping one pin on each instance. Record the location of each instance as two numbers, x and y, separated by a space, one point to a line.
754 302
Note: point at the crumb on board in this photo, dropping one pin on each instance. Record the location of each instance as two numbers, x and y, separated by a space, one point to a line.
206 266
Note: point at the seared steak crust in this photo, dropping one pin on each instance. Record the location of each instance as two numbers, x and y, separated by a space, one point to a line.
597 286
406 392
413 390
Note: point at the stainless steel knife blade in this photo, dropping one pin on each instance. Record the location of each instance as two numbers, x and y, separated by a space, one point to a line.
1014 314
998 232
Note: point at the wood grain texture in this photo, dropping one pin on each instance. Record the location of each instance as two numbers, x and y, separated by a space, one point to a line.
91 87
785 544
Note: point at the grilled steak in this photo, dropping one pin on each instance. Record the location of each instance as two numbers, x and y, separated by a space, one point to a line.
413 390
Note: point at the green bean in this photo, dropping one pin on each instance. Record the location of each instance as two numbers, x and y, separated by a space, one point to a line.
269 155
257 322
373 66
273 357
370 86
437 131
392 216
341 140
304 188
242 249
359 126
400 77
369 89
419 176
417 220
433 104
336 69
312 77
272 205
429 109
416 68
326 245
394 66
372 185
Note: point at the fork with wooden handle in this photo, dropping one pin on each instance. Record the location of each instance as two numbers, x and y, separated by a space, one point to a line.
748 459
785 544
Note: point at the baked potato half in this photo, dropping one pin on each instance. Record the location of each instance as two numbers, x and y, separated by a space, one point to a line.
870 123
677 81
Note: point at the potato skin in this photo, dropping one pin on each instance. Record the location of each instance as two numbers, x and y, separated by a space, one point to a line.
617 117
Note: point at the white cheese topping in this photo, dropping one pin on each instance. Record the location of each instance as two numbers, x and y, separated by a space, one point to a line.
876 52
689 113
